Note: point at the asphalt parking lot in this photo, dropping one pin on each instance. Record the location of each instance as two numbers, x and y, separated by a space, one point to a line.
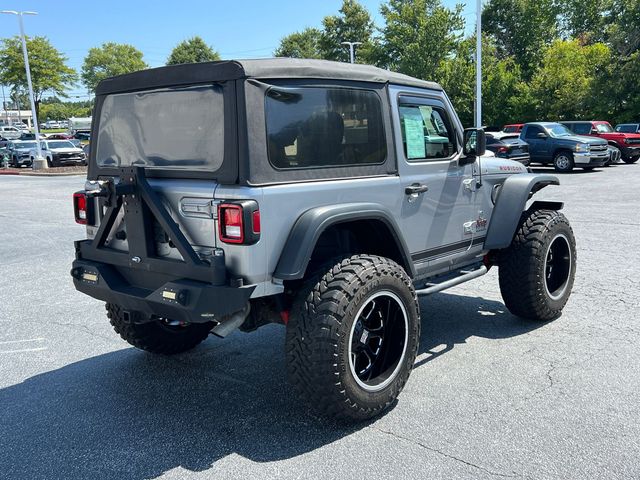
490 396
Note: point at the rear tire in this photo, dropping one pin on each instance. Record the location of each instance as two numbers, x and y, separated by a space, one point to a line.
353 337
157 336
537 270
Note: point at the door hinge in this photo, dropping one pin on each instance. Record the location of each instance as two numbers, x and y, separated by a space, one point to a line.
198 208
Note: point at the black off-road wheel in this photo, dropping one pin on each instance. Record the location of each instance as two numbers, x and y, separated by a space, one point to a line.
159 335
352 338
630 159
563 161
536 272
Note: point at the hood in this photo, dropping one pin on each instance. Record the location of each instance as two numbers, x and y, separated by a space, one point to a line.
583 139
621 135
67 150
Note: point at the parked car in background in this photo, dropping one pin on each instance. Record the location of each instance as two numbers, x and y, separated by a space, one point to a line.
508 145
21 126
553 143
628 143
50 124
60 152
9 132
628 128
513 128
19 153
27 136
83 136
59 136
614 155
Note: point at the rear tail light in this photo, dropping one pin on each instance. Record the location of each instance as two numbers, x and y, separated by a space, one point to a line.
231 224
83 208
239 222
503 150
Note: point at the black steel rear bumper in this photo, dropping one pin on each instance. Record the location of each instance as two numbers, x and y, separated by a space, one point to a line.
183 300
192 290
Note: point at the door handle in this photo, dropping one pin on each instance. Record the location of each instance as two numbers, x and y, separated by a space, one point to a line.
415 189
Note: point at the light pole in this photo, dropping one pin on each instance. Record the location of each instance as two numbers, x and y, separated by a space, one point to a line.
352 50
39 162
479 64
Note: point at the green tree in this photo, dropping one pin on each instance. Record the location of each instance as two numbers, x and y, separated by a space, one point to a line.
563 87
352 24
49 72
501 83
108 60
418 36
584 19
192 50
624 27
304 44
522 29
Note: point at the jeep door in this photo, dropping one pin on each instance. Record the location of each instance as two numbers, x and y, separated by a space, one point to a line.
438 193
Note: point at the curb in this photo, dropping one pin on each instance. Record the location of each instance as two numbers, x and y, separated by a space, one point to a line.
66 174
42 174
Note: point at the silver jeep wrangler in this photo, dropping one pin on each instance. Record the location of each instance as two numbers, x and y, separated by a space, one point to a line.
323 196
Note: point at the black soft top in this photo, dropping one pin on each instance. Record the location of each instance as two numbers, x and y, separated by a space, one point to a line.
272 68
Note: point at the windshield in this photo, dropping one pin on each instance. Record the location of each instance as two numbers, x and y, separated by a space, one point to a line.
60 144
603 128
627 128
557 130
25 145
178 128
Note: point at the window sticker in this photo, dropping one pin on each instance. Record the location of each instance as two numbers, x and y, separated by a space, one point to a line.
414 134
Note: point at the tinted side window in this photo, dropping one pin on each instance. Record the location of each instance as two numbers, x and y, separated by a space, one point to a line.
580 128
533 131
426 132
312 127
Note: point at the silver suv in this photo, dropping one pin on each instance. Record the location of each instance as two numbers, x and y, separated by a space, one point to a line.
323 196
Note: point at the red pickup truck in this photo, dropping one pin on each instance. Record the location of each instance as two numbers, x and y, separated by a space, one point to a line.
628 143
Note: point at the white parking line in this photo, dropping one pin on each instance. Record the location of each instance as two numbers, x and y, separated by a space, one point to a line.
24 350
6 342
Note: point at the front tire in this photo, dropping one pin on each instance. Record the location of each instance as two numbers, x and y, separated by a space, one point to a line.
563 161
157 336
353 337
630 160
536 272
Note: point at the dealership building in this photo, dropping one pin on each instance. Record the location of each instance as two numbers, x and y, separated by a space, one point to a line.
9 117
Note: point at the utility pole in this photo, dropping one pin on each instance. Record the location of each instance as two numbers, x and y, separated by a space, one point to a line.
479 64
39 162
352 50
4 107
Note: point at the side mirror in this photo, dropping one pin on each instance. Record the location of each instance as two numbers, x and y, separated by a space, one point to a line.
474 145
542 135
594 131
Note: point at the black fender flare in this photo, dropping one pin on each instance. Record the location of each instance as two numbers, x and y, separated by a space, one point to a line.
302 239
510 203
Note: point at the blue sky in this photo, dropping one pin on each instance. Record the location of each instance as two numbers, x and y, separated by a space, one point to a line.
240 29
